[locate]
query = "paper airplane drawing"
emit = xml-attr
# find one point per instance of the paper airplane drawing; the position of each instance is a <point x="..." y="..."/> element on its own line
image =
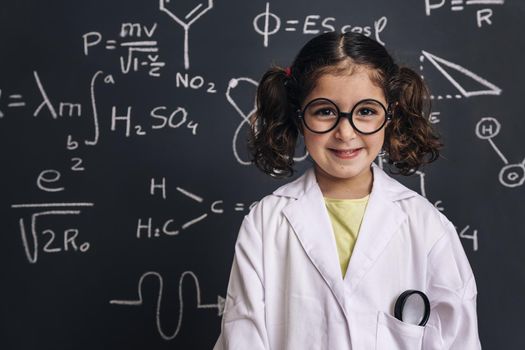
<point x="446" y="68"/>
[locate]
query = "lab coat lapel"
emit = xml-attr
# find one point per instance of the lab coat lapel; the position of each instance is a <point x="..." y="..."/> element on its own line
<point x="310" y="221"/>
<point x="381" y="221"/>
<point x="311" y="224"/>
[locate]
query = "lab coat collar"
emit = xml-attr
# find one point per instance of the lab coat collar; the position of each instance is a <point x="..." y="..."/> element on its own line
<point x="310" y="221"/>
<point x="382" y="183"/>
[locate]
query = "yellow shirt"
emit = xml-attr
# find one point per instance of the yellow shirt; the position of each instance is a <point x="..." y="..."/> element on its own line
<point x="346" y="216"/>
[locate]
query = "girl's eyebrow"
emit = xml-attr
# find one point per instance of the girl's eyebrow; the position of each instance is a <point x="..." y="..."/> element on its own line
<point x="353" y="102"/>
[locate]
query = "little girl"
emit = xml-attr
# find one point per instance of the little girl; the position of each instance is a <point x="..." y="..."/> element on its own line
<point x="324" y="261"/>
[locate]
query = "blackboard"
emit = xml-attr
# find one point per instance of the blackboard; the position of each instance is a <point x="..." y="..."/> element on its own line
<point x="125" y="175"/>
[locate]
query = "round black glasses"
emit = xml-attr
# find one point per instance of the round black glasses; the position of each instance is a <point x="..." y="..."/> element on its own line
<point x="322" y="115"/>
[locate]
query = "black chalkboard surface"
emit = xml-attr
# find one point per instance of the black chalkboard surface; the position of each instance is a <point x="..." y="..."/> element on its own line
<point x="125" y="174"/>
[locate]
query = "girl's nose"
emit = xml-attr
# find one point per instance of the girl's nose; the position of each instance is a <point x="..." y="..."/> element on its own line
<point x="344" y="130"/>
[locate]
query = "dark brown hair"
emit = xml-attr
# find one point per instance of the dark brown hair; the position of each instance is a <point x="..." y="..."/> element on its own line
<point x="410" y="140"/>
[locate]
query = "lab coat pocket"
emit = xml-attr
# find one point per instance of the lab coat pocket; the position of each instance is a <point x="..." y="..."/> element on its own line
<point x="395" y="334"/>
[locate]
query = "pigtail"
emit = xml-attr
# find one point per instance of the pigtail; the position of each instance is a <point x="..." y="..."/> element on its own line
<point x="410" y="140"/>
<point x="274" y="130"/>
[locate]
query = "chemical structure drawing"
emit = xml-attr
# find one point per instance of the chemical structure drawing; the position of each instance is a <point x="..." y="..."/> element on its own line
<point x="510" y="175"/>
<point x="219" y="305"/>
<point x="146" y="228"/>
<point x="189" y="17"/>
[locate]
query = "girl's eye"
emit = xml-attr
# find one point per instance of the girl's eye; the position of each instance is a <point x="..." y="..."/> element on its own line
<point x="366" y="112"/>
<point x="325" y="112"/>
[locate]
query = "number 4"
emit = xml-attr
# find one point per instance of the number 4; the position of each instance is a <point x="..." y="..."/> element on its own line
<point x="473" y="237"/>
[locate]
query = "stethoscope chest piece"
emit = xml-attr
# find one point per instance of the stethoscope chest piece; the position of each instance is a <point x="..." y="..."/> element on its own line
<point x="413" y="307"/>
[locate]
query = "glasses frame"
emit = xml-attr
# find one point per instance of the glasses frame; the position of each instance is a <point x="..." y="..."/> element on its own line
<point x="347" y="115"/>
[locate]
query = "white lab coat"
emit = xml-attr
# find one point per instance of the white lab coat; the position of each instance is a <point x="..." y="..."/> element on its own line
<point x="286" y="290"/>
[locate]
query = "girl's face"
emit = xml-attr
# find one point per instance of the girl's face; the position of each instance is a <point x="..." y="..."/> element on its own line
<point x="343" y="154"/>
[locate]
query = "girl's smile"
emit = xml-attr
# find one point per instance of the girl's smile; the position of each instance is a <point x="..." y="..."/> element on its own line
<point x="346" y="153"/>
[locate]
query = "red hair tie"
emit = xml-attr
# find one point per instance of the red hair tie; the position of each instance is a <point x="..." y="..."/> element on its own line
<point x="288" y="71"/>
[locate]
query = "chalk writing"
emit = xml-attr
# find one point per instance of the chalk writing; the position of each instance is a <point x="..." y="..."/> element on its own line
<point x="174" y="10"/>
<point x="138" y="53"/>
<point x="156" y="276"/>
<point x="69" y="242"/>
<point x="268" y="23"/>
<point x="483" y="16"/>
<point x="511" y="175"/>
<point x="448" y="69"/>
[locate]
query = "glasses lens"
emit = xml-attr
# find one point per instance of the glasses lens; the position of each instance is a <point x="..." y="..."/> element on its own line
<point x="320" y="115"/>
<point x="368" y="116"/>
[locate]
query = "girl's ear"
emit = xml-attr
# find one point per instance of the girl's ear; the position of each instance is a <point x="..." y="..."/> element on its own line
<point x="390" y="110"/>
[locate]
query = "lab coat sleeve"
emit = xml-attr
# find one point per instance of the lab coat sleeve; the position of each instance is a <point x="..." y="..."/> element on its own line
<point x="452" y="291"/>
<point x="243" y="323"/>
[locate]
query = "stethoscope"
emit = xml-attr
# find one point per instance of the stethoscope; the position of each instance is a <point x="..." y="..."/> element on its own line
<point x="413" y="307"/>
